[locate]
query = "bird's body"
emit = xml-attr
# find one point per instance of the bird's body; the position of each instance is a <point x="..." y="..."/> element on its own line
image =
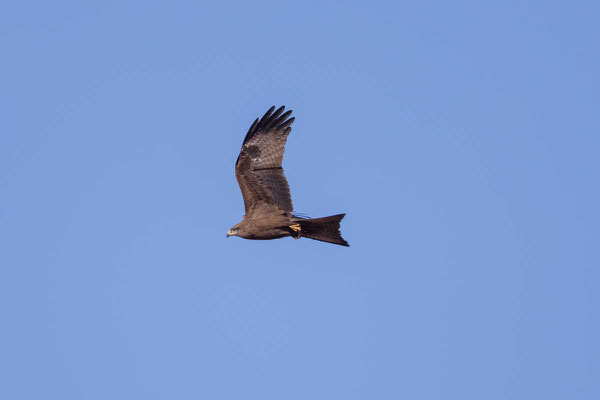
<point x="267" y="199"/>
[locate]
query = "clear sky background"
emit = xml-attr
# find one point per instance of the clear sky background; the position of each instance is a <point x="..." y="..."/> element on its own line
<point x="461" y="139"/>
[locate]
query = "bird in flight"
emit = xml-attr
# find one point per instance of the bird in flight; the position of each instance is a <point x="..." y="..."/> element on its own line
<point x="267" y="200"/>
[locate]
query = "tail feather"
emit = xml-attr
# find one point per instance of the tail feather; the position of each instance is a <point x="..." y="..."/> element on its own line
<point x="326" y="229"/>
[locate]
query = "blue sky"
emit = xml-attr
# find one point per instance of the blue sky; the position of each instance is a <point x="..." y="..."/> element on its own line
<point x="461" y="139"/>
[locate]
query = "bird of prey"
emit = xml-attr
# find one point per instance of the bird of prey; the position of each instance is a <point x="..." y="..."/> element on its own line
<point x="267" y="200"/>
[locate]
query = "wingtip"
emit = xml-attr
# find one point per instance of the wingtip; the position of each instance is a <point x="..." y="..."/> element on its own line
<point x="271" y="119"/>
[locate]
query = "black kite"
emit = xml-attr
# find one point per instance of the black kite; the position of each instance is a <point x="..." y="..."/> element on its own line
<point x="269" y="210"/>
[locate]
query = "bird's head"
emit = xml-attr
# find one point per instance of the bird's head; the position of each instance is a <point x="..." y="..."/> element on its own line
<point x="233" y="231"/>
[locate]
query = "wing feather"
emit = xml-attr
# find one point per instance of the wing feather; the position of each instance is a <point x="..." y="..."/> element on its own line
<point x="258" y="168"/>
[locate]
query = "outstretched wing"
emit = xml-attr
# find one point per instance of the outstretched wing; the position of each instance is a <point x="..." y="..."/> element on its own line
<point x="258" y="167"/>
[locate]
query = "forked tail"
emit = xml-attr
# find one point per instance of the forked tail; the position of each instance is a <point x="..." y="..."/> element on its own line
<point x="326" y="229"/>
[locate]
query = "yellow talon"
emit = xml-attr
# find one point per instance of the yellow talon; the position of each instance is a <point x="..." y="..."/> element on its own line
<point x="296" y="227"/>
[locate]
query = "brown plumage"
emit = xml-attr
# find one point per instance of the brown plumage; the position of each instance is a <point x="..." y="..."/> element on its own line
<point x="267" y="200"/>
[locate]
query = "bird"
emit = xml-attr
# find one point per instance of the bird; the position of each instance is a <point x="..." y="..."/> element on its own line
<point x="269" y="213"/>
